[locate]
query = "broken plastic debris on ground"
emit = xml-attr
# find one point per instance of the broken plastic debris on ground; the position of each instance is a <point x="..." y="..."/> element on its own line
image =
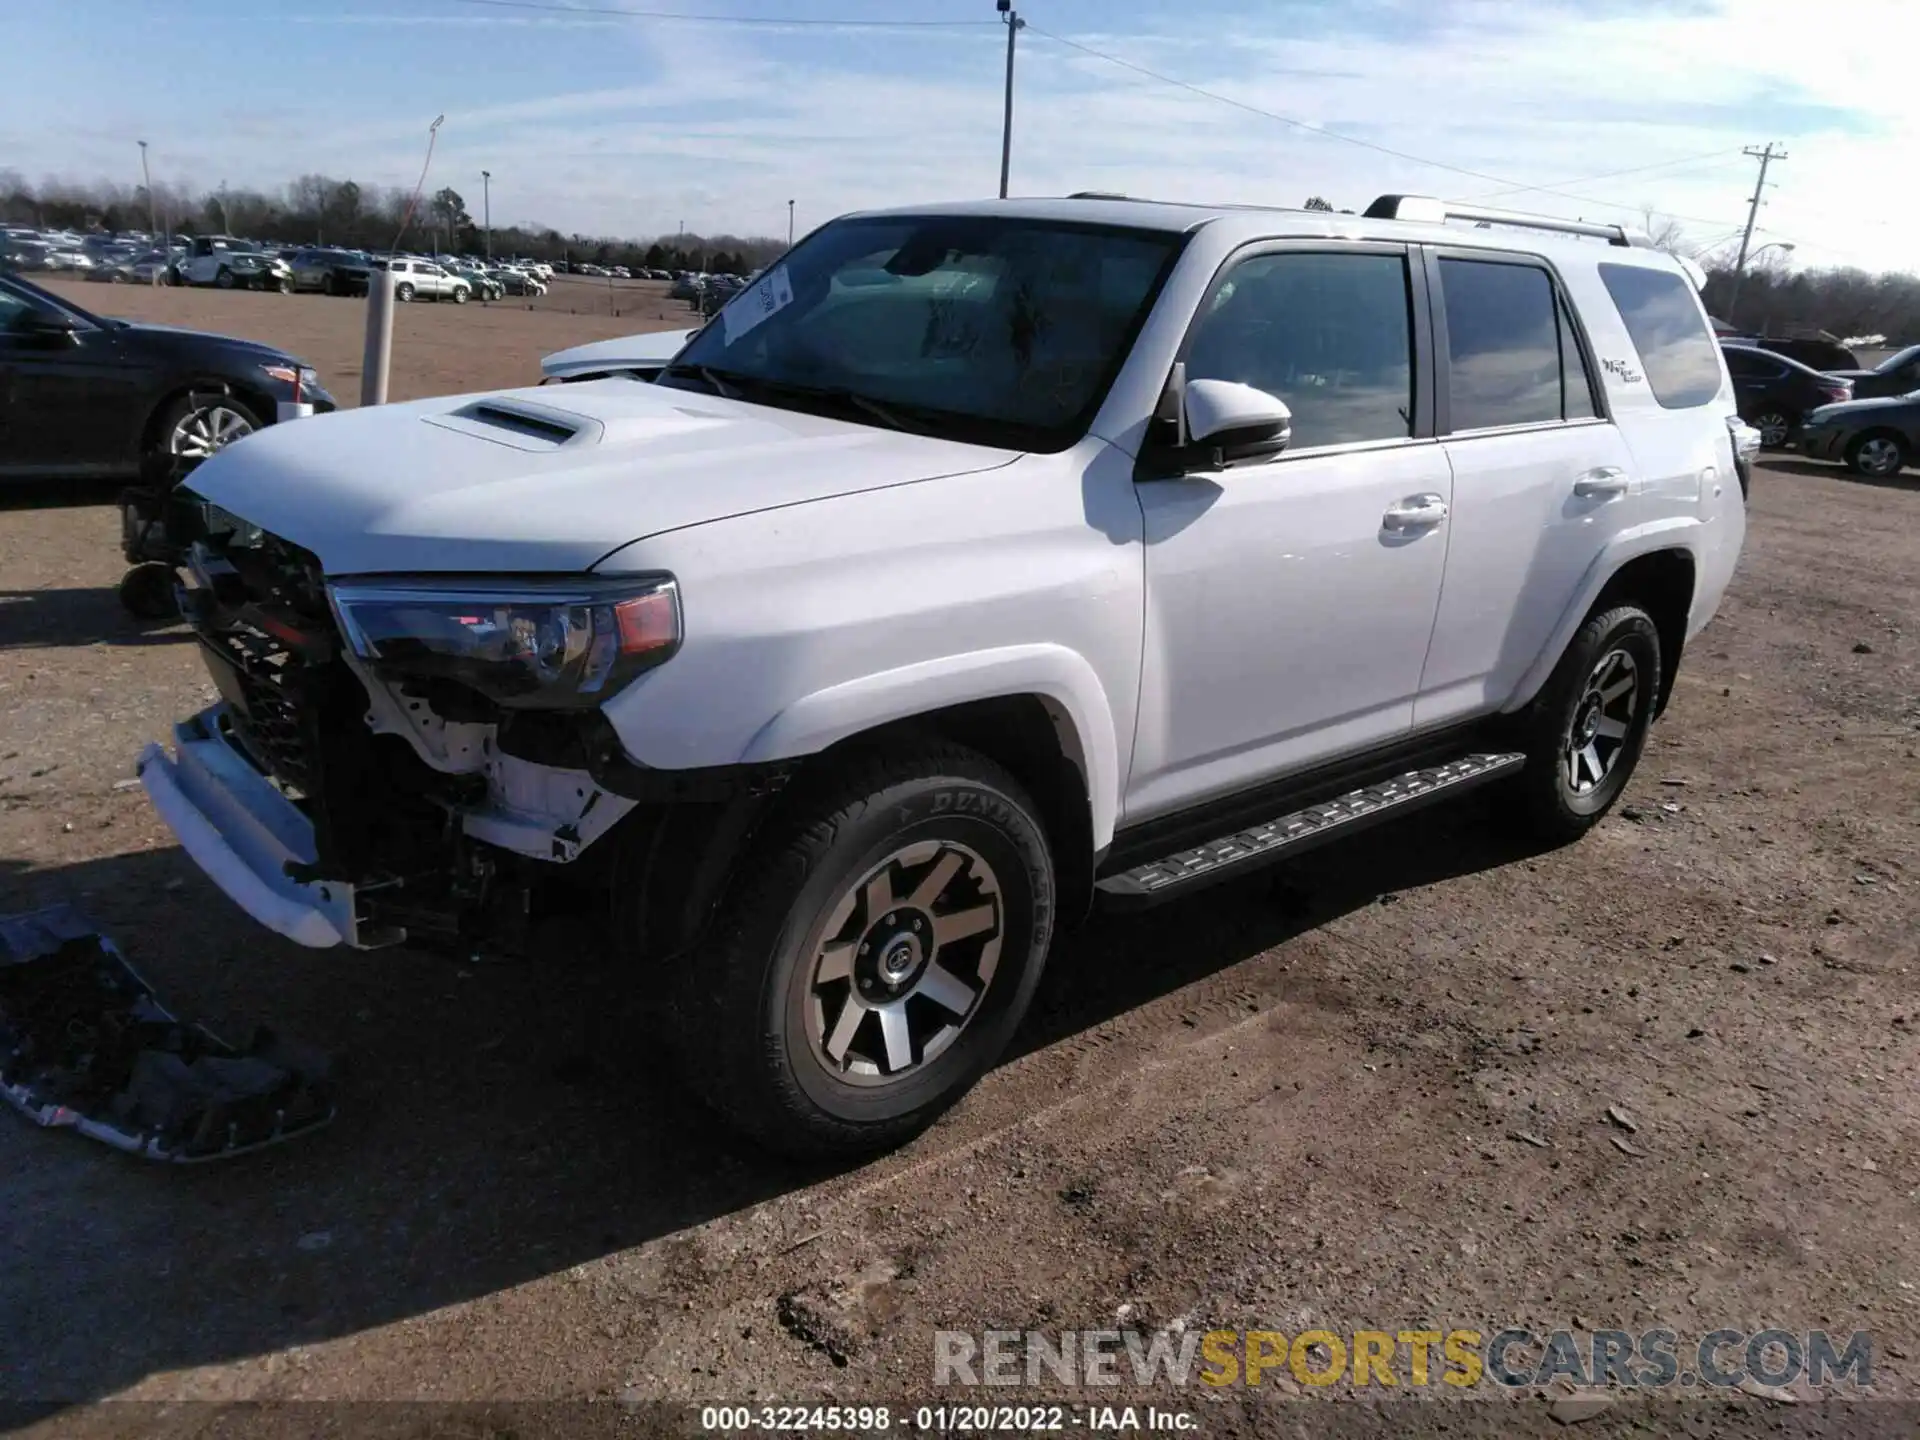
<point x="85" y="1045"/>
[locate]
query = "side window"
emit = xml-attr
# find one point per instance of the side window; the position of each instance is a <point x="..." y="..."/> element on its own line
<point x="1576" y="381"/>
<point x="1663" y="318"/>
<point x="13" y="310"/>
<point x="1503" y="344"/>
<point x="1744" y="366"/>
<point x="1328" y="333"/>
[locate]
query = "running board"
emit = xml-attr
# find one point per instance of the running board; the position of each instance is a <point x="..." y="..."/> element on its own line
<point x="1302" y="830"/>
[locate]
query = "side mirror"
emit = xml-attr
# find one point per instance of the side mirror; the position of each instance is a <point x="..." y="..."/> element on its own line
<point x="1234" y="421"/>
<point x="49" y="323"/>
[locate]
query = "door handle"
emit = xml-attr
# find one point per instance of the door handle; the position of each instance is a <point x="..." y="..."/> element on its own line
<point x="1416" y="512"/>
<point x="1601" y="484"/>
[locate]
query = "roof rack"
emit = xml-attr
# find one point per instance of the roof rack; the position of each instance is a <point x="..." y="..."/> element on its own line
<point x="1429" y="210"/>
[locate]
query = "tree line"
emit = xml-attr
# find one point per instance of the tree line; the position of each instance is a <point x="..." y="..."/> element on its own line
<point x="321" y="210"/>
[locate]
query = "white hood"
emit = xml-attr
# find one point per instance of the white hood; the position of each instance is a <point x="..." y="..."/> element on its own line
<point x="548" y="479"/>
<point x="646" y="352"/>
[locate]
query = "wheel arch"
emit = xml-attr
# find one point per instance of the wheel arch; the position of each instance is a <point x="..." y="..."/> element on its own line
<point x="1656" y="569"/>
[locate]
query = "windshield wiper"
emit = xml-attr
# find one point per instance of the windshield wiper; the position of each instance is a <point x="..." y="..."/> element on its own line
<point x="722" y="382"/>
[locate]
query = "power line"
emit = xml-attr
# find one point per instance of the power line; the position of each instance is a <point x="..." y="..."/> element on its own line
<point x="1720" y="155"/>
<point x="550" y="7"/>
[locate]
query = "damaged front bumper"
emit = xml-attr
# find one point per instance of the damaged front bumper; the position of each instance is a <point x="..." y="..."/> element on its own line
<point x="241" y="830"/>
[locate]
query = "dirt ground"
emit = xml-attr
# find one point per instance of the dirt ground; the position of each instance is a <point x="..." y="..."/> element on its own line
<point x="1367" y="1092"/>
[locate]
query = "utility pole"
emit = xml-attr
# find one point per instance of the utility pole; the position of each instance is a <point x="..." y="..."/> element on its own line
<point x="1766" y="157"/>
<point x="486" y="208"/>
<point x="789" y="224"/>
<point x="153" y="223"/>
<point x="1013" y="23"/>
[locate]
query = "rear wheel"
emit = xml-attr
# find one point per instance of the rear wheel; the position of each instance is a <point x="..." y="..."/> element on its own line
<point x="1877" y="455"/>
<point x="878" y="949"/>
<point x="224" y="279"/>
<point x="1584" y="732"/>
<point x="403" y="292"/>
<point x="327" y="286"/>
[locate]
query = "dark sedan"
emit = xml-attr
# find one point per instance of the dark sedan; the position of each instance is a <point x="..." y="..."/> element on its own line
<point x="331" y="272"/>
<point x="1876" y="437"/>
<point x="1773" y="393"/>
<point x="85" y="397"/>
<point x="1898" y="374"/>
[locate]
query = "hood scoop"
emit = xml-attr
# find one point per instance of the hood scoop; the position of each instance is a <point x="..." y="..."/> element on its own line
<point x="520" y="425"/>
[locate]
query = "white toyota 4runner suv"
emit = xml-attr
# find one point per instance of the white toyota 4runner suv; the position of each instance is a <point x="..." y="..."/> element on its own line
<point x="975" y="564"/>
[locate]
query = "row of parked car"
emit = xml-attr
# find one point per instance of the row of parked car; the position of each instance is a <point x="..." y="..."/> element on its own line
<point x="1816" y="396"/>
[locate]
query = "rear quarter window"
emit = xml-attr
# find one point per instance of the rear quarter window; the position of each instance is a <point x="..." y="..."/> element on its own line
<point x="1668" y="331"/>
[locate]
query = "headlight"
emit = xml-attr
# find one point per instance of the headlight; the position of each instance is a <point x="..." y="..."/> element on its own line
<point x="308" y="377"/>
<point x="533" y="645"/>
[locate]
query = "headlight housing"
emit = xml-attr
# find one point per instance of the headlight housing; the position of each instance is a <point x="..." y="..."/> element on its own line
<point x="562" y="644"/>
<point x="307" y="377"/>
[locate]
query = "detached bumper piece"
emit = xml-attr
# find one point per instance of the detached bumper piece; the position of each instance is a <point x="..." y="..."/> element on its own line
<point x="244" y="832"/>
<point x="85" y="1045"/>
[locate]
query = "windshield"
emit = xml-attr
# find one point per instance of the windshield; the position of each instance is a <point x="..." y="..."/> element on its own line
<point x="975" y="327"/>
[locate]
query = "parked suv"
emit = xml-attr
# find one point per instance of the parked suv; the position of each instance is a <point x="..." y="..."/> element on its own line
<point x="974" y="564"/>
<point x="425" y="280"/>
<point x="1775" y="393"/>
<point x="331" y="272"/>
<point x="229" y="264"/>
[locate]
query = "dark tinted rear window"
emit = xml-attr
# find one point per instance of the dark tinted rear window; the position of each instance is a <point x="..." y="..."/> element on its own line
<point x="1663" y="317"/>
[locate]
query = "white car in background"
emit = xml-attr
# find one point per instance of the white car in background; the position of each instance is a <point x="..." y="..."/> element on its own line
<point x="633" y="357"/>
<point x="416" y="279"/>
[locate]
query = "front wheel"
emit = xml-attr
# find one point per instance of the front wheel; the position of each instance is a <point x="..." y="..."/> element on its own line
<point x="1584" y="733"/>
<point x="460" y="296"/>
<point x="403" y="292"/>
<point x="1775" y="427"/>
<point x="224" y="280"/>
<point x="878" y="949"/>
<point x="1877" y="456"/>
<point x="195" y="427"/>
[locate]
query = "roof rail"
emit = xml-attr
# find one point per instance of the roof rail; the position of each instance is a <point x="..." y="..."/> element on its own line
<point x="1427" y="209"/>
<point x="1098" y="195"/>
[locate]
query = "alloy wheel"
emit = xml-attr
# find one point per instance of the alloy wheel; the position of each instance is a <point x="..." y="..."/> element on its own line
<point x="201" y="432"/>
<point x="1774" y="429"/>
<point x="1602" y="722"/>
<point x="1879" y="456"/>
<point x="903" y="962"/>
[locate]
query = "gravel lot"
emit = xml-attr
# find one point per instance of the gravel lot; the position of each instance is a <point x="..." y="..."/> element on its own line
<point x="1293" y="1102"/>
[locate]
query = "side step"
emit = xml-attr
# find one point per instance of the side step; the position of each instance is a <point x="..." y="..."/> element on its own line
<point x="1302" y="830"/>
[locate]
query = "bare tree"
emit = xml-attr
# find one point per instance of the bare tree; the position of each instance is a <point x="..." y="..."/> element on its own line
<point x="1666" y="232"/>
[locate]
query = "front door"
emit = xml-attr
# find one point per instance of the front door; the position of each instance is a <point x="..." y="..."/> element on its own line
<point x="66" y="400"/>
<point x="1290" y="602"/>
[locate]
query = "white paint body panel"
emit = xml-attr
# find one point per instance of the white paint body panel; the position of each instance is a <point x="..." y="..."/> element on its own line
<point x="629" y="352"/>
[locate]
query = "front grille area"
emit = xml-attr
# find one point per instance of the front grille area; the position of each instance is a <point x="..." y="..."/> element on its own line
<point x="262" y="681"/>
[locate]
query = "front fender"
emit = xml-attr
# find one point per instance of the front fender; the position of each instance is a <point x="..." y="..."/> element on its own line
<point x="1053" y="672"/>
<point x="1679" y="532"/>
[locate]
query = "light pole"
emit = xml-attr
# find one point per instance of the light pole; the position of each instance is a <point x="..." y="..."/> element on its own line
<point x="1013" y="23"/>
<point x="789" y="224"/>
<point x="146" y="176"/>
<point x="486" y="205"/>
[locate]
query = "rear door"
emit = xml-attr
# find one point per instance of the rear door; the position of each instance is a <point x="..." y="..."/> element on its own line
<point x="1541" y="476"/>
<point x="67" y="401"/>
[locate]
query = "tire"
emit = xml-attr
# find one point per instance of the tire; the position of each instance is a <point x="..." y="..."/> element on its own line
<point x="195" y="427"/>
<point x="224" y="280"/>
<point x="327" y="287"/>
<point x="761" y="1017"/>
<point x="1775" y="427"/>
<point x="1878" y="454"/>
<point x="1560" y="797"/>
<point x="403" y="292"/>
<point x="146" y="591"/>
<point x="459" y="295"/>
<point x="282" y="286"/>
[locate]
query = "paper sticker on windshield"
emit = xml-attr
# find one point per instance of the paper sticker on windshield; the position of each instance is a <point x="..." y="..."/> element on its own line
<point x="766" y="297"/>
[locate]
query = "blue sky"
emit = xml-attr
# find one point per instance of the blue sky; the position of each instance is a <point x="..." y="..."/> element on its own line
<point x="607" y="125"/>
